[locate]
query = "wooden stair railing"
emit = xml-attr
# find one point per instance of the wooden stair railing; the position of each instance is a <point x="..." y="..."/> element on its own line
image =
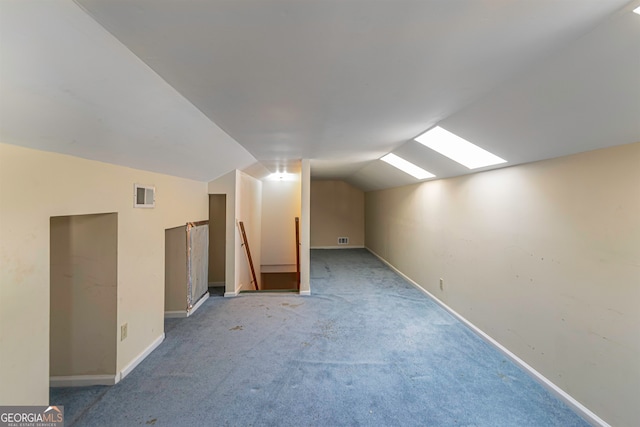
<point x="245" y="243"/>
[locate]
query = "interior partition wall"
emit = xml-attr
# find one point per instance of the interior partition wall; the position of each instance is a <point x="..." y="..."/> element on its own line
<point x="217" y="239"/>
<point x="186" y="268"/>
<point x="83" y="299"/>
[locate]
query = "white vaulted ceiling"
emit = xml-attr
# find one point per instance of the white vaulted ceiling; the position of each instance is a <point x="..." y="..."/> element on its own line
<point x="203" y="87"/>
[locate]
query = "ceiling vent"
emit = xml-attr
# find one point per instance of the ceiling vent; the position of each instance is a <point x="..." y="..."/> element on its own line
<point x="144" y="196"/>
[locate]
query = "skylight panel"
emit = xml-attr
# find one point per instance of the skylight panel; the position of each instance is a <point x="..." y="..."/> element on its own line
<point x="458" y="149"/>
<point x="406" y="166"/>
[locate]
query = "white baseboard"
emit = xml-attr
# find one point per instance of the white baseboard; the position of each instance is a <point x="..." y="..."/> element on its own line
<point x="305" y="293"/>
<point x="83" y="380"/>
<point x="140" y="357"/>
<point x="204" y="297"/>
<point x="175" y="314"/>
<point x="338" y="247"/>
<point x="180" y="314"/>
<point x="230" y="294"/>
<point x="577" y="407"/>
<point x="88" y="380"/>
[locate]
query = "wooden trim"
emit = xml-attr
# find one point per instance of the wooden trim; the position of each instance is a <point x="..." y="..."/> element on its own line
<point x="248" y="252"/>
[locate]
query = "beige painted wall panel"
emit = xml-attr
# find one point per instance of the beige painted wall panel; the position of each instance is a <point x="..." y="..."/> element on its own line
<point x="175" y="269"/>
<point x="248" y="210"/>
<point x="305" y="228"/>
<point x="337" y="210"/>
<point x="280" y="207"/>
<point x="217" y="237"/>
<point x="544" y="257"/>
<point x="84" y="277"/>
<point x="226" y="185"/>
<point x="35" y="185"/>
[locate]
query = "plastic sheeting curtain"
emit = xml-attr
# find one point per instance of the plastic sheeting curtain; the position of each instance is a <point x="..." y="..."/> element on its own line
<point x="197" y="261"/>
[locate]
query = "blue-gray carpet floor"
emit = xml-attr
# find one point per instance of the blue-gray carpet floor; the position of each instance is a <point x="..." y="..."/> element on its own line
<point x="365" y="349"/>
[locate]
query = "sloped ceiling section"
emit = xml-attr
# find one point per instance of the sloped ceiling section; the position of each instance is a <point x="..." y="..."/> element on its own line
<point x="67" y="85"/>
<point x="199" y="87"/>
<point x="345" y="82"/>
<point x="582" y="97"/>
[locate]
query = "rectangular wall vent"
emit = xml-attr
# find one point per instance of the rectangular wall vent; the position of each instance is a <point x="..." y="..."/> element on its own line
<point x="144" y="196"/>
<point x="343" y="240"/>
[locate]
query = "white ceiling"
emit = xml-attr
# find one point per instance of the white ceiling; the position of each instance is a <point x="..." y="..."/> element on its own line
<point x="197" y="88"/>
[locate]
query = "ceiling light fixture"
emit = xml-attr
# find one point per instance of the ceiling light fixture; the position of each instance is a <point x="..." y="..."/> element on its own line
<point x="637" y="10"/>
<point x="458" y="149"/>
<point x="282" y="176"/>
<point x="406" y="167"/>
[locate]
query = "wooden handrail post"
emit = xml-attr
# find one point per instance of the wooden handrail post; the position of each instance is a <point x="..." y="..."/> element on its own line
<point x="248" y="252"/>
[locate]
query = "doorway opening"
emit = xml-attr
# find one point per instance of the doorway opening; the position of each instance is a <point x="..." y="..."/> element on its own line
<point x="217" y="243"/>
<point x="83" y="329"/>
<point x="281" y="278"/>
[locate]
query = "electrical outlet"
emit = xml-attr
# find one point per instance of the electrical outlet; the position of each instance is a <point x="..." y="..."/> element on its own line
<point x="441" y="284"/>
<point x="123" y="331"/>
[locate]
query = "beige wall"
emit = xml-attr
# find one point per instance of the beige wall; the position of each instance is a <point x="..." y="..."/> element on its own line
<point x="305" y="228"/>
<point x="244" y="195"/>
<point x="245" y="203"/>
<point x="217" y="237"/>
<point x="84" y="307"/>
<point x="36" y="185"/>
<point x="337" y="210"/>
<point x="226" y="185"/>
<point x="175" y="269"/>
<point x="249" y="211"/>
<point x="280" y="207"/>
<point x="543" y="257"/>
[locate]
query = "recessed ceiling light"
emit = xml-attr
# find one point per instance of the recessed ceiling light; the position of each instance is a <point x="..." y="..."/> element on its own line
<point x="458" y="149"/>
<point x="637" y="10"/>
<point x="282" y="176"/>
<point x="407" y="167"/>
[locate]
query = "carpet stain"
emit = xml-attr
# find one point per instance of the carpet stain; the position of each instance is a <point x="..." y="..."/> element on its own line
<point x="237" y="328"/>
<point x="284" y="304"/>
<point x="504" y="377"/>
<point x="327" y="330"/>
<point x="152" y="421"/>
